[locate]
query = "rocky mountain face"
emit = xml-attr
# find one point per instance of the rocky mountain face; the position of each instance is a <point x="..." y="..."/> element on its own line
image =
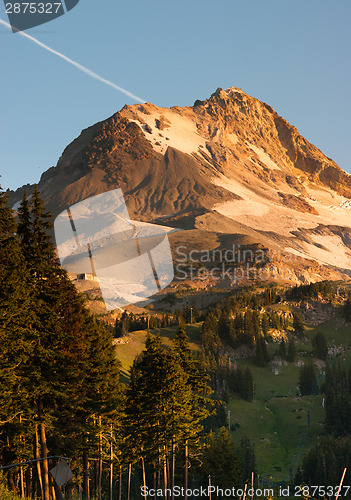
<point x="230" y="173"/>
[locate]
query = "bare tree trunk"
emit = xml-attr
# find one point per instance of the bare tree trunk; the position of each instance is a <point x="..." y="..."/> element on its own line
<point x="120" y="483"/>
<point x="155" y="479"/>
<point x="186" y="459"/>
<point x="143" y="471"/>
<point x="111" y="468"/>
<point x="21" y="483"/>
<point x="99" y="476"/>
<point x="129" y="479"/>
<point x="165" y="477"/>
<point x="44" y="453"/>
<point x="45" y="465"/>
<point x="37" y="455"/>
<point x="86" y="488"/>
<point x="173" y="469"/>
<point x="52" y="487"/>
<point x="100" y="464"/>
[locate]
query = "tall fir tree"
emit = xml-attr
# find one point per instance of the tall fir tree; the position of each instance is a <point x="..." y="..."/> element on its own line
<point x="15" y="318"/>
<point x="307" y="380"/>
<point x="221" y="461"/>
<point x="298" y="325"/>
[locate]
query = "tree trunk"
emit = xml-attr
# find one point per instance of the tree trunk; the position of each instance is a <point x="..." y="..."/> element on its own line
<point x="111" y="482"/>
<point x="45" y="465"/>
<point x="11" y="482"/>
<point x="186" y="456"/>
<point x="21" y="482"/>
<point x="52" y="487"/>
<point x="143" y="471"/>
<point x="29" y="482"/>
<point x="44" y="453"/>
<point x="165" y="477"/>
<point x="37" y="455"/>
<point x="173" y="469"/>
<point x="111" y="467"/>
<point x="155" y="479"/>
<point x="120" y="483"/>
<point x="100" y="464"/>
<point x="129" y="479"/>
<point x="86" y="488"/>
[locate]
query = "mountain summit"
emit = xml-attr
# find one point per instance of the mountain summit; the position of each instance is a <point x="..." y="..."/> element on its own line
<point x="227" y="170"/>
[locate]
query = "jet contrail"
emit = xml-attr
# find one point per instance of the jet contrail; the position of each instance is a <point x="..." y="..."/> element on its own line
<point x="77" y="65"/>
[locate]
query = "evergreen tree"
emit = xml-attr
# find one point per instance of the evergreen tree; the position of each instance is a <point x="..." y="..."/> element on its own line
<point x="221" y="460"/>
<point x="249" y="329"/>
<point x="247" y="392"/>
<point x="324" y="462"/>
<point x="122" y="325"/>
<point x="307" y="380"/>
<point x="225" y="329"/>
<point x="248" y="458"/>
<point x="265" y="324"/>
<point x="292" y="353"/>
<point x="320" y="346"/>
<point x="347" y="310"/>
<point x="160" y="411"/>
<point x="337" y="401"/>
<point x="24" y="226"/>
<point x="210" y="339"/>
<point x="261" y="354"/>
<point x="15" y="316"/>
<point x="282" y="350"/>
<point x="298" y="325"/>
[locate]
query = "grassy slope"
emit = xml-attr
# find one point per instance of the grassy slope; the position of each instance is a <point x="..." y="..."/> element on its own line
<point x="276" y="421"/>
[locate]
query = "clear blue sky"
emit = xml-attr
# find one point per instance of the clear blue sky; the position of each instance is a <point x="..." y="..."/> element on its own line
<point x="294" y="55"/>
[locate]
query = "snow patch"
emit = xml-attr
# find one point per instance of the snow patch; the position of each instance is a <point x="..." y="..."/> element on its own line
<point x="344" y="205"/>
<point x="334" y="253"/>
<point x="264" y="157"/>
<point x="181" y="132"/>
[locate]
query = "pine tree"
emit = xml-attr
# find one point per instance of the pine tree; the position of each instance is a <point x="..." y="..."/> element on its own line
<point x="261" y="354"/>
<point x="248" y="458"/>
<point x="298" y="325"/>
<point x="193" y="367"/>
<point x="164" y="406"/>
<point x="221" y="460"/>
<point x="24" y="226"/>
<point x="247" y="388"/>
<point x="249" y="330"/>
<point x="282" y="350"/>
<point x="15" y="316"/>
<point x="292" y="353"/>
<point x="265" y="324"/>
<point x="320" y="346"/>
<point x="347" y="310"/>
<point x="307" y="380"/>
<point x="225" y="329"/>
